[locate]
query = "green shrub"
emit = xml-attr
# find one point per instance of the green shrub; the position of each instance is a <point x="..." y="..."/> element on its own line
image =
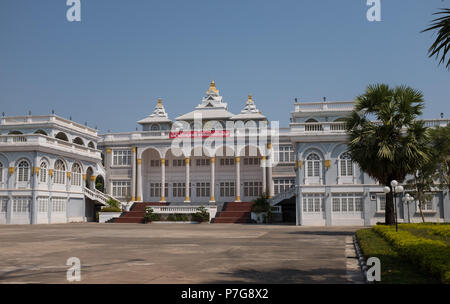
<point x="171" y="218"/>
<point x="432" y="256"/>
<point x="202" y="215"/>
<point x="113" y="203"/>
<point x="261" y="205"/>
<point x="150" y="216"/>
<point x="111" y="209"/>
<point x="181" y="218"/>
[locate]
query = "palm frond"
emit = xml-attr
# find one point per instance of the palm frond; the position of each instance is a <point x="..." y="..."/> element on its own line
<point x="441" y="45"/>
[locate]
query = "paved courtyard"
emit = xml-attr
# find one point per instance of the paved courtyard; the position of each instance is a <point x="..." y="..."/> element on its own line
<point x="175" y="253"/>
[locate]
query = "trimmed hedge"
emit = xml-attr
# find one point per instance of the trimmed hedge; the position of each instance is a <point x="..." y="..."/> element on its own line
<point x="111" y="209"/>
<point x="433" y="256"/>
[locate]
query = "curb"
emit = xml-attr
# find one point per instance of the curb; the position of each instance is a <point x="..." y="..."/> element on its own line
<point x="361" y="260"/>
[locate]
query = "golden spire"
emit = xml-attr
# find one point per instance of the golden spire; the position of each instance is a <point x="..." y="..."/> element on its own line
<point x="159" y="103"/>
<point x="212" y="87"/>
<point x="250" y="100"/>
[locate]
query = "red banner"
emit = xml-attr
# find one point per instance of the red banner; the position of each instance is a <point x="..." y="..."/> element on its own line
<point x="202" y="134"/>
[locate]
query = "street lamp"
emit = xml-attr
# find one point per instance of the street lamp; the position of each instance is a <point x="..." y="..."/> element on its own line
<point x="408" y="199"/>
<point x="396" y="189"/>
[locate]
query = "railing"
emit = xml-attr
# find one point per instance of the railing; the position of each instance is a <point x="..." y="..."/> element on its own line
<point x="314" y="127"/>
<point x="95" y="196"/>
<point x="324" y="106"/>
<point x="282" y="196"/>
<point x="46" y="141"/>
<point x="40" y="119"/>
<point x="212" y="210"/>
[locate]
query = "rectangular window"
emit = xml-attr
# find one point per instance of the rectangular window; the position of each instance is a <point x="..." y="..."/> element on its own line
<point x="227" y="189"/>
<point x="75" y="179"/>
<point x="155" y="190"/>
<point x="21" y="204"/>
<point x="286" y="154"/>
<point x="252" y="161"/>
<point x="202" y="162"/>
<point x="253" y="188"/>
<point x="43" y="204"/>
<point x="43" y="175"/>
<point x="155" y="163"/>
<point x="59" y="204"/>
<point x="3" y="204"/>
<point x="179" y="189"/>
<point x="179" y="163"/>
<point x="381" y="203"/>
<point x="229" y="161"/>
<point x="313" y="203"/>
<point x="121" y="189"/>
<point x="122" y="157"/>
<point x="347" y="203"/>
<point x="202" y="189"/>
<point x="283" y="185"/>
<point x="59" y="177"/>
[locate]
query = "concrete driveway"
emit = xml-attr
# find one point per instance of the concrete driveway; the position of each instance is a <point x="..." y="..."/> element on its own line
<point x="176" y="253"/>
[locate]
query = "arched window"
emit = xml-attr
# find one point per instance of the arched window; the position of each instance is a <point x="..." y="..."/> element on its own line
<point x="42" y="132"/>
<point x="313" y="165"/>
<point x="60" y="172"/>
<point x="15" y="133"/>
<point x="346" y="164"/>
<point x="1" y="172"/>
<point x="78" y="141"/>
<point x="76" y="175"/>
<point x="313" y="125"/>
<point x="62" y="136"/>
<point x="43" y="172"/>
<point x="91" y="145"/>
<point x="23" y="171"/>
<point x="154" y="127"/>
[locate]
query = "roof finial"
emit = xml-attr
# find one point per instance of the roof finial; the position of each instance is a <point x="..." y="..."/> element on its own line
<point x="212" y="87"/>
<point x="159" y="102"/>
<point x="250" y="100"/>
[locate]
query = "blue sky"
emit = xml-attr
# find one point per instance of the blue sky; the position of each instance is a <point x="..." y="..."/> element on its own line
<point x="110" y="68"/>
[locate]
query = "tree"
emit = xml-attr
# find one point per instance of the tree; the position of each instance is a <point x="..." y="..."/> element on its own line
<point x="393" y="145"/>
<point x="436" y="172"/>
<point x="440" y="141"/>
<point x="442" y="43"/>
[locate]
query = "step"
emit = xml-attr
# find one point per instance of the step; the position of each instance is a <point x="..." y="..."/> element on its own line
<point x="234" y="214"/>
<point x="133" y="214"/>
<point x="230" y="221"/>
<point x="129" y="220"/>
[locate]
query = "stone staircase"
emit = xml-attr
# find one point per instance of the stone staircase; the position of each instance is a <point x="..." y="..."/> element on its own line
<point x="235" y="213"/>
<point x="136" y="213"/>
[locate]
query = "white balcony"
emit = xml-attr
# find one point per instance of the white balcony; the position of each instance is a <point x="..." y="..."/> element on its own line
<point x="25" y="142"/>
<point x="21" y="121"/>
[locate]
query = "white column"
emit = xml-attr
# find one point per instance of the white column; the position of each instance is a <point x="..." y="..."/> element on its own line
<point x="238" y="179"/>
<point x="163" y="179"/>
<point x="187" y="198"/>
<point x="133" y="174"/>
<point x="269" y="175"/>
<point x="264" y="175"/>
<point x="213" y="178"/>
<point x="139" y="180"/>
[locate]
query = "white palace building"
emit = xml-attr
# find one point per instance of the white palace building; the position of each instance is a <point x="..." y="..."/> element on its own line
<point x="49" y="166"/>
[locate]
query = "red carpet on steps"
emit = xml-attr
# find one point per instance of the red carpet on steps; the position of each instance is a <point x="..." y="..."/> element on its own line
<point x="136" y="213"/>
<point x="235" y="213"/>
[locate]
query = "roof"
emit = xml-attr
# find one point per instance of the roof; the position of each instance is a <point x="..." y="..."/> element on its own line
<point x="159" y="115"/>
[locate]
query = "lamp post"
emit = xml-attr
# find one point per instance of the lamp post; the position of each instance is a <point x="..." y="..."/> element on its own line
<point x="396" y="189"/>
<point x="408" y="199"/>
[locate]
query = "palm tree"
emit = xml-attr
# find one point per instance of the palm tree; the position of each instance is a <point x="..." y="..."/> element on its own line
<point x="395" y="143"/>
<point x="442" y="42"/>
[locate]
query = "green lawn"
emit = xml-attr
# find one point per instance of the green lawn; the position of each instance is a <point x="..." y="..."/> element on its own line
<point x="394" y="269"/>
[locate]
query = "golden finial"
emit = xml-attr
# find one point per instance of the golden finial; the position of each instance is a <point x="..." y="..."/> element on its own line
<point x="212" y="87"/>
<point x="159" y="103"/>
<point x="250" y="100"/>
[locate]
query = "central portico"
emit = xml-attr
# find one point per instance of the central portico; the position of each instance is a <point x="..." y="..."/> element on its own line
<point x="170" y="161"/>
